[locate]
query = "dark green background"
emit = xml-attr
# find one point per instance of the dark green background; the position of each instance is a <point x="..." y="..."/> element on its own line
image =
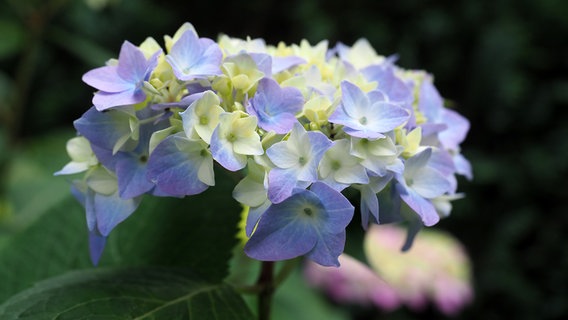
<point x="503" y="64"/>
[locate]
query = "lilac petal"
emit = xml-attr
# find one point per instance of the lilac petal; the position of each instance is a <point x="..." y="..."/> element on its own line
<point x="414" y="163"/>
<point x="458" y="126"/>
<point x="263" y="63"/>
<point x="442" y="161"/>
<point x="319" y="144"/>
<point x="223" y="153"/>
<point x="281" y="156"/>
<point x="280" y="64"/>
<point x="430" y="101"/>
<point x="389" y="83"/>
<point x="254" y="215"/>
<point x="369" y="206"/>
<point x="132" y="65"/>
<point x="103" y="129"/>
<point x="104" y="100"/>
<point x="281" y="235"/>
<point x="430" y="183"/>
<point x="353" y="99"/>
<point x="174" y="166"/>
<point x="280" y="184"/>
<point x="424" y="208"/>
<point x="96" y="246"/>
<point x="131" y="174"/>
<point x="414" y="226"/>
<point x="327" y="249"/>
<point x="386" y="116"/>
<point x="463" y="166"/>
<point x="112" y="210"/>
<point x="107" y="79"/>
<point x="192" y="58"/>
<point x="339" y="209"/>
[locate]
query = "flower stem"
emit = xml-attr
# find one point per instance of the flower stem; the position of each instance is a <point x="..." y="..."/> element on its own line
<point x="266" y="284"/>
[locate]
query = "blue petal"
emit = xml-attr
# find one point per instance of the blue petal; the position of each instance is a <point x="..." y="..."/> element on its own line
<point x="281" y="233"/>
<point x="174" y="166"/>
<point x="327" y="249"/>
<point x="112" y="210"/>
<point x="339" y="211"/>
<point x="104" y="100"/>
<point x="107" y="79"/>
<point x="223" y="153"/>
<point x="103" y="129"/>
<point x="131" y="174"/>
<point x="96" y="247"/>
<point x="281" y="183"/>
<point x="424" y="208"/>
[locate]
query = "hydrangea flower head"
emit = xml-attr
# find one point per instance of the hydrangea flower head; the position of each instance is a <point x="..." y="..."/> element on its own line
<point x="297" y="124"/>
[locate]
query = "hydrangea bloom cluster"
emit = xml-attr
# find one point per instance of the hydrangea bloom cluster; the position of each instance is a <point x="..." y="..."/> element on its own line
<point x="299" y="123"/>
<point x="436" y="269"/>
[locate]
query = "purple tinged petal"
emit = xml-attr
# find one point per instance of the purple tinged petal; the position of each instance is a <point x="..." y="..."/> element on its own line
<point x="353" y="99"/>
<point x="416" y="162"/>
<point x="174" y="166"/>
<point x="254" y="215"/>
<point x="424" y="208"/>
<point x="339" y="210"/>
<point x="281" y="156"/>
<point x="96" y="246"/>
<point x="281" y="183"/>
<point x="458" y="126"/>
<point x="104" y="100"/>
<point x="103" y="129"/>
<point x="430" y="101"/>
<point x="275" y="107"/>
<point x="327" y="249"/>
<point x="369" y="205"/>
<point x="192" y="58"/>
<point x="387" y="116"/>
<point x="131" y="173"/>
<point x="222" y="152"/>
<point x="132" y="64"/>
<point x="112" y="210"/>
<point x="281" y="234"/>
<point x="107" y="79"/>
<point x="319" y="144"/>
<point x="463" y="166"/>
<point x="430" y="183"/>
<point x="280" y="64"/>
<point x="263" y="62"/>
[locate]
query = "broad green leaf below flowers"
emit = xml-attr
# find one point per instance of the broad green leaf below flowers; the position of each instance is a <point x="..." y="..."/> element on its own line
<point x="134" y="293"/>
<point x="46" y="236"/>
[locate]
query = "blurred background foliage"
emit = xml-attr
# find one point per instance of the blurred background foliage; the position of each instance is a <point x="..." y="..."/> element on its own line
<point x="502" y="63"/>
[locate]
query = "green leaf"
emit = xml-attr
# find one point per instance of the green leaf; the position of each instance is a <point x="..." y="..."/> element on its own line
<point x="136" y="293"/>
<point x="198" y="232"/>
<point x="47" y="235"/>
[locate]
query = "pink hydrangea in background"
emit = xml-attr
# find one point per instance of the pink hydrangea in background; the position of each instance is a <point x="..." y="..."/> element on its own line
<point x="435" y="269"/>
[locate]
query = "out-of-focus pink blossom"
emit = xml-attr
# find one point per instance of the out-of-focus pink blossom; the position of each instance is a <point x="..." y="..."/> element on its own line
<point x="435" y="269"/>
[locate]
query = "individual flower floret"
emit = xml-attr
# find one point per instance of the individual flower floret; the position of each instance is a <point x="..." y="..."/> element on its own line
<point x="180" y="166"/>
<point x="81" y="154"/>
<point x="309" y="222"/>
<point x="419" y="183"/>
<point x="275" y="107"/>
<point x="296" y="161"/>
<point x="122" y="84"/>
<point x="234" y="138"/>
<point x="339" y="169"/>
<point x="194" y="58"/>
<point x="105" y="209"/>
<point x="366" y="116"/>
<point x="202" y="116"/>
